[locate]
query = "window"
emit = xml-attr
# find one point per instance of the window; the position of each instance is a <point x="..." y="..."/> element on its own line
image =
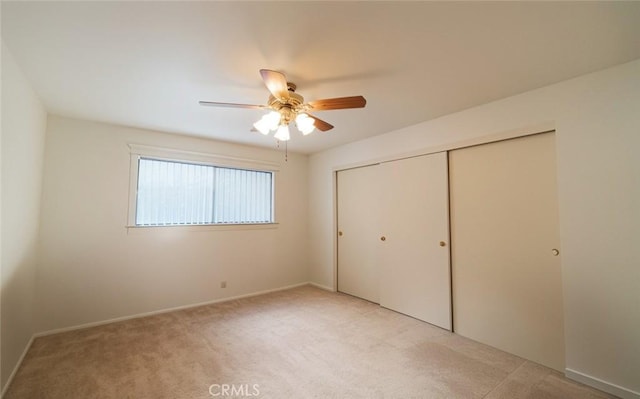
<point x="171" y="192"/>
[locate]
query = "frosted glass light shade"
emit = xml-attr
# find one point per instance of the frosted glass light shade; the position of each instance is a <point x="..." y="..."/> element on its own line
<point x="306" y="128"/>
<point x="283" y="133"/>
<point x="262" y="126"/>
<point x="273" y="119"/>
<point x="268" y="122"/>
<point x="305" y="124"/>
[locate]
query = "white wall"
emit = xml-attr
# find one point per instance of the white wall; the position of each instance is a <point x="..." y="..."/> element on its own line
<point x="597" y="119"/>
<point x="23" y="137"/>
<point x="92" y="269"/>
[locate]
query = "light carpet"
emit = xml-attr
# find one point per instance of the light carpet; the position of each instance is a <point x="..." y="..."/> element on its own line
<point x="298" y="343"/>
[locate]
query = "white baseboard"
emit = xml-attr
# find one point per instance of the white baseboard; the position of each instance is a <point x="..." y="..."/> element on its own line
<point x="139" y="315"/>
<point x="604" y="386"/>
<point x="166" y="310"/>
<point x="322" y="287"/>
<point x="15" y="369"/>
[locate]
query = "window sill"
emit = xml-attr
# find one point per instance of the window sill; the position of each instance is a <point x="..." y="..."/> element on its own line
<point x="203" y="227"/>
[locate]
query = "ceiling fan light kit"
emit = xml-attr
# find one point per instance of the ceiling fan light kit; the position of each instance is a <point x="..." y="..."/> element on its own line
<point x="288" y="106"/>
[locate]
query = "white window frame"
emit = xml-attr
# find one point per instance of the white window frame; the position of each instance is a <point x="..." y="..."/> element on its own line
<point x="138" y="151"/>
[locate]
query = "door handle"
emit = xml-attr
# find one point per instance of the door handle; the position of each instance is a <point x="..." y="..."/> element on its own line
<point x="383" y="238"/>
<point x="555" y="252"/>
<point x="340" y="233"/>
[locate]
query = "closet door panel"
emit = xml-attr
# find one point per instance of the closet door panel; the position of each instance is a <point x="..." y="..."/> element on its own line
<point x="414" y="256"/>
<point x="507" y="284"/>
<point x="358" y="193"/>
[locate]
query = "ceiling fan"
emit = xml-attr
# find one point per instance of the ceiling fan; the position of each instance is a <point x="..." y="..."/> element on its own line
<point x="287" y="106"/>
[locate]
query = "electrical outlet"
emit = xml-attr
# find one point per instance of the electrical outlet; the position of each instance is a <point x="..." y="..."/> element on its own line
<point x="223" y="284"/>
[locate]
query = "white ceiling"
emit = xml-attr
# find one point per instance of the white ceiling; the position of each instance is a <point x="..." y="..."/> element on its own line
<point x="147" y="64"/>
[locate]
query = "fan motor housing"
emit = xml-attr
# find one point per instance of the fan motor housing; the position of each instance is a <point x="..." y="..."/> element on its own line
<point x="289" y="108"/>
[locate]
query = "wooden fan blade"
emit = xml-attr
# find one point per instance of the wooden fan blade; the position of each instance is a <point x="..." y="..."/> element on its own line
<point x="232" y="105"/>
<point x="276" y="82"/>
<point x="320" y="124"/>
<point x="338" y="103"/>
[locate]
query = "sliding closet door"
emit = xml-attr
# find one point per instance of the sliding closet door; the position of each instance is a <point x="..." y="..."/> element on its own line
<point x="414" y="256"/>
<point x="358" y="228"/>
<point x="507" y="287"/>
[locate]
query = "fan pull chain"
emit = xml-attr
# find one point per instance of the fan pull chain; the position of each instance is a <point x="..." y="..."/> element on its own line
<point x="286" y="150"/>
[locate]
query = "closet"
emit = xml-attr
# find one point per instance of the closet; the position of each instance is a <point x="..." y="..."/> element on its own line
<point x="498" y="281"/>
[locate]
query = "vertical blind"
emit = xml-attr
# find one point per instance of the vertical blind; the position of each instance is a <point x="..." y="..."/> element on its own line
<point x="180" y="193"/>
